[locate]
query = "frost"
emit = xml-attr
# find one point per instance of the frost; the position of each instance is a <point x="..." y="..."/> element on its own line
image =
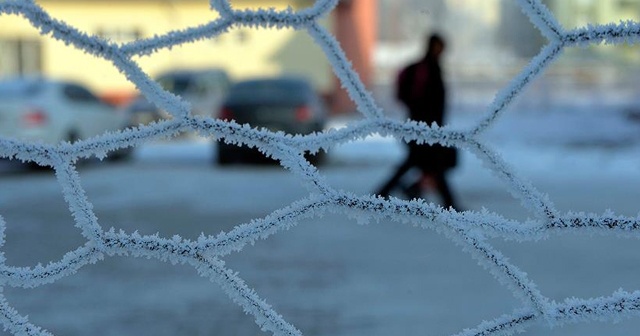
<point x="470" y="230"/>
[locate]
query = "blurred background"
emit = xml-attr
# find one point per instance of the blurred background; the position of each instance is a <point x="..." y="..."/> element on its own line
<point x="489" y="41"/>
<point x="574" y="133"/>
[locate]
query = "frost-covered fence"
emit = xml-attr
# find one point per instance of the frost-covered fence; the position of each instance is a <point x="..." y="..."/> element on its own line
<point x="469" y="229"/>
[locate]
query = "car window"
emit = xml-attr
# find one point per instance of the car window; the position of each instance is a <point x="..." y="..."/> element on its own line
<point x="19" y="88"/>
<point x="217" y="81"/>
<point x="176" y="84"/>
<point x="283" y="90"/>
<point x="200" y="88"/>
<point x="195" y="83"/>
<point x="79" y="94"/>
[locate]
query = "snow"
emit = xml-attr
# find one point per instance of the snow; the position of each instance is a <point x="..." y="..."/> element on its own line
<point x="329" y="275"/>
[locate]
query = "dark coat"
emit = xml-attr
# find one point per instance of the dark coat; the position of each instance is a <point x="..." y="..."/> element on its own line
<point x="421" y="89"/>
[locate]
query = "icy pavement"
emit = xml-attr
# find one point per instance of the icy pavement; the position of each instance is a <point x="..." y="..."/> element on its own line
<point x="330" y="275"/>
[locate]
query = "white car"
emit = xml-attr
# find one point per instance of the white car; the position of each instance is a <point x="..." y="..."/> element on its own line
<point x="51" y="111"/>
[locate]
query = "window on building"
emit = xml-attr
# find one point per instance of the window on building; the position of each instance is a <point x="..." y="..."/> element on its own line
<point x="120" y="35"/>
<point x="242" y="36"/>
<point x="237" y="36"/>
<point x="628" y="4"/>
<point x="20" y="57"/>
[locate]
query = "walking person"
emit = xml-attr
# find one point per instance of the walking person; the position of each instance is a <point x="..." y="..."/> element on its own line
<point x="420" y="87"/>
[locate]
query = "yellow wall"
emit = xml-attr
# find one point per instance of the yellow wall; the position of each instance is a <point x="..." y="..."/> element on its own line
<point x="242" y="52"/>
<point x="578" y="13"/>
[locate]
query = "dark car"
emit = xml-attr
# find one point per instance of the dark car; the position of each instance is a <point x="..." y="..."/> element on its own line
<point x="288" y="104"/>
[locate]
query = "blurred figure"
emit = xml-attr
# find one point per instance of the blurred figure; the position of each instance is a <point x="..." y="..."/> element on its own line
<point x="421" y="89"/>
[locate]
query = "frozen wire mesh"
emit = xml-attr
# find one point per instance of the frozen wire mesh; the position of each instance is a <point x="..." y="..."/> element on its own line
<point x="470" y="229"/>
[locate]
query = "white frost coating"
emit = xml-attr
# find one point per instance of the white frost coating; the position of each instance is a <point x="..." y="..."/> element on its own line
<point x="342" y="68"/>
<point x="469" y="229"/>
<point x="505" y="96"/>
<point x="16" y="323"/>
<point x="154" y="44"/>
<point x="222" y="6"/>
<point x="11" y="320"/>
<point x="505" y="272"/>
<point x="542" y="18"/>
<point x="246" y="297"/>
<point x="531" y="198"/>
<point x="614" y="308"/>
<point x="3" y="227"/>
<point x="624" y="32"/>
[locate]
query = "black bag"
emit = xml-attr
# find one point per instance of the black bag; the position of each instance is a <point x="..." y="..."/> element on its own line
<point x="448" y="157"/>
<point x="433" y="158"/>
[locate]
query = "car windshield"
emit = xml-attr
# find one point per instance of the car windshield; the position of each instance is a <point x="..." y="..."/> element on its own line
<point x="269" y="90"/>
<point x="19" y="88"/>
<point x="177" y="84"/>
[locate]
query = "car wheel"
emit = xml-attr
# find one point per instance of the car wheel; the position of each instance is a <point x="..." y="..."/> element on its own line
<point x="73" y="136"/>
<point x="316" y="159"/>
<point x="119" y="155"/>
<point x="223" y="156"/>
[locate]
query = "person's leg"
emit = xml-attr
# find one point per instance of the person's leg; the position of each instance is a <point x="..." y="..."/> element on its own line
<point x="392" y="182"/>
<point x="444" y="190"/>
<point x="413" y="189"/>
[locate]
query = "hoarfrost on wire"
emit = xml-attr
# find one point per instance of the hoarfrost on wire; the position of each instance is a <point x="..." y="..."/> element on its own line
<point x="471" y="230"/>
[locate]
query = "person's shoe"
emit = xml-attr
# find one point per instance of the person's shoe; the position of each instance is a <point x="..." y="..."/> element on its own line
<point x="413" y="191"/>
<point x="454" y="207"/>
<point x="382" y="193"/>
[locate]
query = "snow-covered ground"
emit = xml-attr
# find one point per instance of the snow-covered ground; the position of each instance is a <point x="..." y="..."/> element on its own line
<point x="330" y="275"/>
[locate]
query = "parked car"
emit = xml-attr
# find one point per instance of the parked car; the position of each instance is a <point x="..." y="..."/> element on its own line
<point x="142" y="112"/>
<point x="288" y="104"/>
<point x="52" y="111"/>
<point x="204" y="89"/>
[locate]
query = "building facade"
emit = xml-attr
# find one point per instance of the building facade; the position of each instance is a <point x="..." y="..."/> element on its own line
<point x="571" y="14"/>
<point x="242" y="52"/>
